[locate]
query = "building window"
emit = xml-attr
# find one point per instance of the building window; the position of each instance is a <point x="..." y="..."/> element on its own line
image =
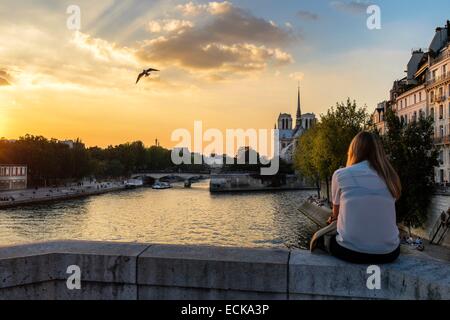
<point x="441" y="112"/>
<point x="432" y="113"/>
<point x="441" y="134"/>
<point x="420" y="96"/>
<point x="441" y="157"/>
<point x="432" y="96"/>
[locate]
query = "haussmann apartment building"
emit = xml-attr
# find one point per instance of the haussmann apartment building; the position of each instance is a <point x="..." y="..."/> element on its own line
<point x="425" y="91"/>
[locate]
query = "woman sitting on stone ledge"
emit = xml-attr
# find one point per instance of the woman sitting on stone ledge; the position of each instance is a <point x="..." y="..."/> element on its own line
<point x="363" y="196"/>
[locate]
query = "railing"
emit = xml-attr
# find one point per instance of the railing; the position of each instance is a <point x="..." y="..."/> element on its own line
<point x="441" y="98"/>
<point x="439" y="78"/>
<point x="440" y="58"/>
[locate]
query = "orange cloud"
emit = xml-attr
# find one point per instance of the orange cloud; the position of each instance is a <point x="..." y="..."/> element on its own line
<point x="169" y="25"/>
<point x="214" y="8"/>
<point x="230" y="39"/>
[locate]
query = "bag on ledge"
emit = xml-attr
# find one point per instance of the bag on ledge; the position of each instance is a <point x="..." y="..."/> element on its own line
<point x="322" y="237"/>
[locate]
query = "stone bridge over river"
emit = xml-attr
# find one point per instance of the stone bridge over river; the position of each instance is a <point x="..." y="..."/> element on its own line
<point x="182" y="176"/>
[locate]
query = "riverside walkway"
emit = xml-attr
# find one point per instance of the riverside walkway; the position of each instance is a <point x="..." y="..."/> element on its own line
<point x="15" y="198"/>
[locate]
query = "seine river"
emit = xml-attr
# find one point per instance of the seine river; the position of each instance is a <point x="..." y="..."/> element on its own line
<point x="175" y="216"/>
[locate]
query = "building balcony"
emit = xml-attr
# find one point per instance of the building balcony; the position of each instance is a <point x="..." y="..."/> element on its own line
<point x="440" y="99"/>
<point x="440" y="58"/>
<point x="440" y="78"/>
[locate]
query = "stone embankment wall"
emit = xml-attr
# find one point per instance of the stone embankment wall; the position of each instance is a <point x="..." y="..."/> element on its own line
<point x="144" y="271"/>
<point x="253" y="182"/>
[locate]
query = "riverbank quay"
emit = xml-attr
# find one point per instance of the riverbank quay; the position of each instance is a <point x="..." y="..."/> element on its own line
<point x="10" y="199"/>
<point x="250" y="182"/>
<point x="140" y="271"/>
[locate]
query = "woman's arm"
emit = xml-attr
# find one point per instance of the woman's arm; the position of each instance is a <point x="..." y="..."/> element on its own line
<point x="334" y="215"/>
<point x="335" y="197"/>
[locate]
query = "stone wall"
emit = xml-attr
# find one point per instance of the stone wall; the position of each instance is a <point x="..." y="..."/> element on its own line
<point x="226" y="182"/>
<point x="319" y="215"/>
<point x="142" y="271"/>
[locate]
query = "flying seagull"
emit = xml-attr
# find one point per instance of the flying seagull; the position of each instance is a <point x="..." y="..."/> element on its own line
<point x="146" y="73"/>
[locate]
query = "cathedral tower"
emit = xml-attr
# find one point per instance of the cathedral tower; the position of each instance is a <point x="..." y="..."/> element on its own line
<point x="298" y="122"/>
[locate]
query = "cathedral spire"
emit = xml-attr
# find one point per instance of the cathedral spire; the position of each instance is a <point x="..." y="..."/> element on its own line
<point x="299" y="111"/>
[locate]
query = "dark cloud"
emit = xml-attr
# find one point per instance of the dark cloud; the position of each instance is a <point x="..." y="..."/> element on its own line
<point x="238" y="25"/>
<point x="234" y="40"/>
<point x="307" y="15"/>
<point x="354" y="7"/>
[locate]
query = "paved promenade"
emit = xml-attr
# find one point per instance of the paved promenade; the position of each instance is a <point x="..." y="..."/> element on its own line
<point x="31" y="196"/>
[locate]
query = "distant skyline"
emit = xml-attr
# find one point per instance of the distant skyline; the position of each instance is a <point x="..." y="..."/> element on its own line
<point x="232" y="64"/>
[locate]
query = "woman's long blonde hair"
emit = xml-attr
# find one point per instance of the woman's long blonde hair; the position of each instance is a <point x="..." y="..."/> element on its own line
<point x="367" y="146"/>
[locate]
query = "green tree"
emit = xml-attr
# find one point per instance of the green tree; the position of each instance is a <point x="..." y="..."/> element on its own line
<point x="304" y="158"/>
<point x="413" y="154"/>
<point x="326" y="150"/>
<point x="158" y="158"/>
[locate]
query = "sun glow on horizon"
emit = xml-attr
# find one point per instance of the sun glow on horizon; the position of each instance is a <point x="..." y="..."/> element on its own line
<point x="221" y="63"/>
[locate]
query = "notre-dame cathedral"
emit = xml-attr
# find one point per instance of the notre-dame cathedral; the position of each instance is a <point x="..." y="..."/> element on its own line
<point x="288" y="134"/>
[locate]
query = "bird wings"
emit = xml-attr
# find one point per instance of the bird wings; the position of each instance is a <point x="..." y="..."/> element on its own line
<point x="139" y="77"/>
<point x="146" y="73"/>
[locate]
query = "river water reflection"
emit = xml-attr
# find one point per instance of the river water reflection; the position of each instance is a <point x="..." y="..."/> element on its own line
<point x="175" y="216"/>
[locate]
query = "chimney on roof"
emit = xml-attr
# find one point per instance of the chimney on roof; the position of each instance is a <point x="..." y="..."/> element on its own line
<point x="448" y="28"/>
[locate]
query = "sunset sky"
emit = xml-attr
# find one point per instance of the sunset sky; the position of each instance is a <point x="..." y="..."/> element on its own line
<point x="230" y="64"/>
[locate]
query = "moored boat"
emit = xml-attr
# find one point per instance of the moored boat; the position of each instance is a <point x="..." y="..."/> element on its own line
<point x="161" y="185"/>
<point x="133" y="183"/>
